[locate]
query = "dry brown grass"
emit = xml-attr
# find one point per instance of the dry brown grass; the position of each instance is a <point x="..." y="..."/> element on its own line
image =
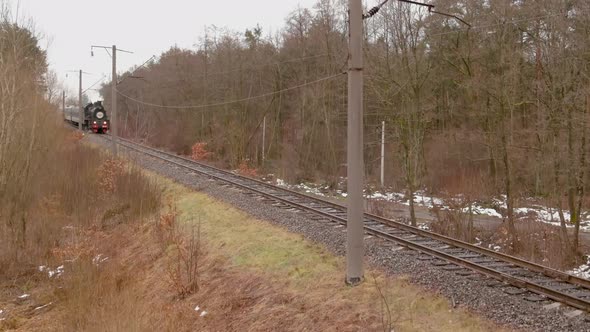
<point x="183" y="250"/>
<point x="76" y="190"/>
<point x="246" y="274"/>
<point x="65" y="223"/>
<point x="273" y="280"/>
<point x="252" y="277"/>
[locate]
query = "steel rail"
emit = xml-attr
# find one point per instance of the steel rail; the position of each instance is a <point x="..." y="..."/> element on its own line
<point x="513" y="280"/>
<point x="550" y="272"/>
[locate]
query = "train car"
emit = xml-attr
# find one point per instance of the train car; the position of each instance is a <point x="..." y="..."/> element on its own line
<point x="95" y="117"/>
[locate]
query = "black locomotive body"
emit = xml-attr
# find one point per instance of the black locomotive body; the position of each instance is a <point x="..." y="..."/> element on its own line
<point x="95" y="117"/>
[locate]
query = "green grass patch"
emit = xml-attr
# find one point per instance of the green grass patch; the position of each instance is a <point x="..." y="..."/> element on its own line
<point x="252" y="243"/>
<point x="310" y="270"/>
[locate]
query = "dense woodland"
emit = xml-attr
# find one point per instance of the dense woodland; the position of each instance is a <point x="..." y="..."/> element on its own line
<point x="499" y="107"/>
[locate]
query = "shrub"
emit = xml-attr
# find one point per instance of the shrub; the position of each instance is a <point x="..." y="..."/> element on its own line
<point x="199" y="151"/>
<point x="183" y="253"/>
<point x="245" y="170"/>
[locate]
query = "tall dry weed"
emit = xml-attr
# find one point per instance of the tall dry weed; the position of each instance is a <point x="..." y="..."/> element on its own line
<point x="183" y="251"/>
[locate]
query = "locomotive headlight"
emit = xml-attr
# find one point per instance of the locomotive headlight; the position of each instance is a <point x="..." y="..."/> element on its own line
<point x="94" y="122"/>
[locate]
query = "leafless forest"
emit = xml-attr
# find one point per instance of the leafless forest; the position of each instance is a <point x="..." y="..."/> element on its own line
<point x="499" y="107"/>
<point x="487" y="106"/>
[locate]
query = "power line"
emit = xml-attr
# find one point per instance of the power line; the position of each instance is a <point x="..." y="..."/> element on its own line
<point x="95" y="83"/>
<point x="232" y="101"/>
<point x="430" y="7"/>
<point x="262" y="66"/>
<point x="494" y="25"/>
<point x="266" y="65"/>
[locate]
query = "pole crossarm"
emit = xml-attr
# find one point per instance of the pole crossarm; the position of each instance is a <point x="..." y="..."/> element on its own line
<point x="78" y="71"/>
<point x="106" y="48"/>
<point x="430" y="7"/>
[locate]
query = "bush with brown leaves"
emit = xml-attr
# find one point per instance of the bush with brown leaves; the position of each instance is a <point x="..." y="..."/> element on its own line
<point x="245" y="170"/>
<point x="199" y="151"/>
<point x="108" y="172"/>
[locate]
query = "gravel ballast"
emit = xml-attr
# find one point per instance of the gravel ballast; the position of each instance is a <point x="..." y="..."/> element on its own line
<point x="475" y="292"/>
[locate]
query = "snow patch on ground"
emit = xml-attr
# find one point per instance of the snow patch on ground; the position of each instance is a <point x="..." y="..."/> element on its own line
<point x="99" y="259"/>
<point x="43" y="306"/>
<point x="494" y="208"/>
<point x="483" y="211"/>
<point x="281" y="183"/>
<point x="307" y="188"/>
<point x="203" y="313"/>
<point x="494" y="247"/>
<point x="582" y="271"/>
<point x="425" y="227"/>
<point x="52" y="273"/>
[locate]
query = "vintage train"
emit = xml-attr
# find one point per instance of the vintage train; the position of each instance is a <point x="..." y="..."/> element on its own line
<point x="95" y="117"/>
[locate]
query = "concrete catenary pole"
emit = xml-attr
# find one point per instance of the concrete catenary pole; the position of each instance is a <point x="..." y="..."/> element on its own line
<point x="263" y="136"/>
<point x="114" y="102"/>
<point x="382" y="154"/>
<point x="63" y="102"/>
<point x="355" y="234"/>
<point x="81" y="113"/>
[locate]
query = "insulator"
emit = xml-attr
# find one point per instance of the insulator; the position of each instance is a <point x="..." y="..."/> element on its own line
<point x="373" y="11"/>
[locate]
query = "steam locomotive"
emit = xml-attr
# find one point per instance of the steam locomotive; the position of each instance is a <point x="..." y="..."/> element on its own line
<point x="95" y="117"/>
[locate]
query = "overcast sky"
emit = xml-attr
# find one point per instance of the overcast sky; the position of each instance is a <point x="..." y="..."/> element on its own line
<point x="145" y="27"/>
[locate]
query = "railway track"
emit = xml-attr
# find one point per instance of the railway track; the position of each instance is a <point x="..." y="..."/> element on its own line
<point x="450" y="254"/>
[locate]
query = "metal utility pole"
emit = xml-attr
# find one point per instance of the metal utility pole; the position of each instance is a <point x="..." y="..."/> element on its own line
<point x="80" y="93"/>
<point x="114" y="102"/>
<point x="63" y="102"/>
<point x="263" y="136"/>
<point x="355" y="232"/>
<point x="114" y="131"/>
<point x="382" y="154"/>
<point x="81" y="113"/>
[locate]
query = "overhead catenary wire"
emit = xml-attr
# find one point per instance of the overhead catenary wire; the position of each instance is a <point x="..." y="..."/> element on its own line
<point x="134" y="70"/>
<point x="264" y="65"/>
<point x="373" y="11"/>
<point x="494" y="25"/>
<point x="270" y="64"/>
<point x="268" y="94"/>
<point x="95" y="83"/>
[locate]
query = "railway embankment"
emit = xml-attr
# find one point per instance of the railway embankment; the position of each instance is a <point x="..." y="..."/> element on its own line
<point x="476" y="293"/>
<point x="201" y="264"/>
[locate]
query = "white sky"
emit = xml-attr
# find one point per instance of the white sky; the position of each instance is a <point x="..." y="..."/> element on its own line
<point x="145" y="27"/>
